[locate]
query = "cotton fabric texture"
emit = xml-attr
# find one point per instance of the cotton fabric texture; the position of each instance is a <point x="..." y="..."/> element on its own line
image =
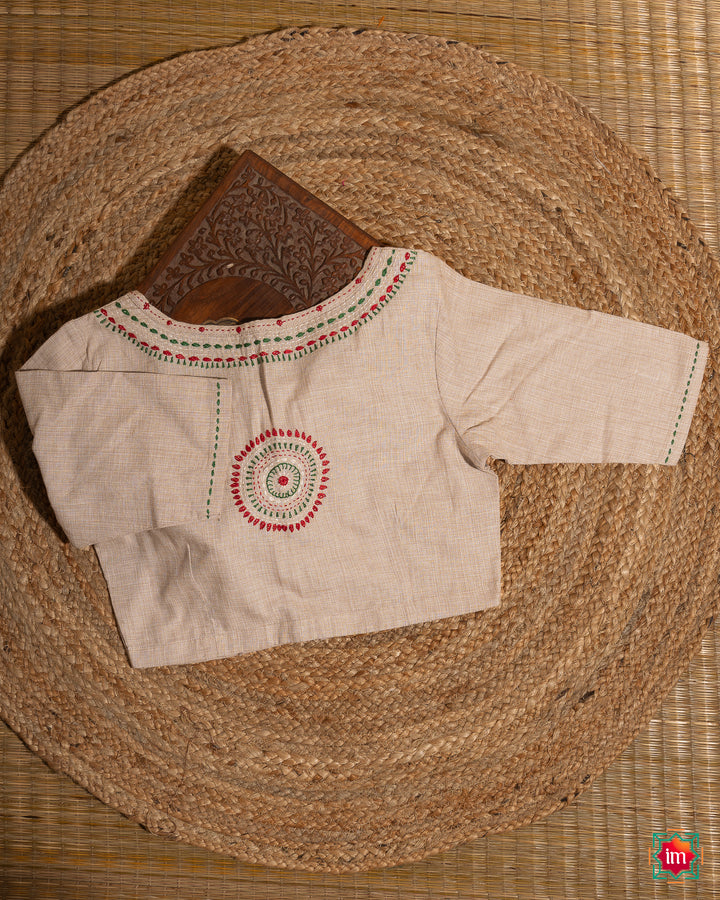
<point x="327" y="473"/>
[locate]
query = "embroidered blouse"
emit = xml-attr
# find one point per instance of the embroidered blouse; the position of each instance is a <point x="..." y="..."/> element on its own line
<point x="326" y="473"/>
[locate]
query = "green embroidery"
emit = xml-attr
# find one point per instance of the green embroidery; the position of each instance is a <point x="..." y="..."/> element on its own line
<point x="311" y="338"/>
<point x="682" y="405"/>
<point x="283" y="480"/>
<point x="279" y="480"/>
<point x="215" y="449"/>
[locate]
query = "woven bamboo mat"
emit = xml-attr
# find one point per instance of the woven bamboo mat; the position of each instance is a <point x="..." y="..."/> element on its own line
<point x="648" y="72"/>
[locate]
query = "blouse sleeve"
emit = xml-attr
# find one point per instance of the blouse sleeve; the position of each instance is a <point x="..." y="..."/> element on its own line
<point x="123" y="452"/>
<point x="532" y="381"/>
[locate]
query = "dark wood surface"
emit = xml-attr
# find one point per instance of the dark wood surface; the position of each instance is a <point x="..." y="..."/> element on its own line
<point x="260" y="246"/>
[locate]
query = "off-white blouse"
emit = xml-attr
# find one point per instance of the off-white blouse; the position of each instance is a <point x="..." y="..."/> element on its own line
<point x="325" y="473"/>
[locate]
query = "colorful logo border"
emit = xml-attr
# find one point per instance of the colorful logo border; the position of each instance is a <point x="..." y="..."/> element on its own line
<point x="660" y="840"/>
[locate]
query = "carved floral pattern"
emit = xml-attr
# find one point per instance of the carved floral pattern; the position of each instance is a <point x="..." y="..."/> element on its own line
<point x="257" y="230"/>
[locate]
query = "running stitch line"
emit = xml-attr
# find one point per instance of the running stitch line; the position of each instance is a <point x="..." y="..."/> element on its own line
<point x="682" y="405"/>
<point x="215" y="449"/>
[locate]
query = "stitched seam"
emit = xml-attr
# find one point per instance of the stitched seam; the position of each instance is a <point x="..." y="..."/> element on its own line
<point x="215" y="449"/>
<point x="682" y="405"/>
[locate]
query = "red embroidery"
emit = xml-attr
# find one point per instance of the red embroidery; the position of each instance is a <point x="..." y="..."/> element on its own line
<point x="258" y="333"/>
<point x="279" y="480"/>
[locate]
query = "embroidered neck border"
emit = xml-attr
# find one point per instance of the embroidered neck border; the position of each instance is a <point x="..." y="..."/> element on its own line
<point x="319" y="330"/>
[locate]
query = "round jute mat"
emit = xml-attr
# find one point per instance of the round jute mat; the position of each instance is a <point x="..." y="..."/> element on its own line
<point x="378" y="749"/>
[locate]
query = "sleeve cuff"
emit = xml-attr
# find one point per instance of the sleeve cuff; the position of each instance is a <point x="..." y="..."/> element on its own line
<point x="686" y="408"/>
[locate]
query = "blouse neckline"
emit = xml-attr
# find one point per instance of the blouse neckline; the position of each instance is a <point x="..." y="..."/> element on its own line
<point x="262" y="340"/>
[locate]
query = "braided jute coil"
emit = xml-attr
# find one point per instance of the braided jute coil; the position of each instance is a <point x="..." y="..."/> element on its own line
<point x="371" y="750"/>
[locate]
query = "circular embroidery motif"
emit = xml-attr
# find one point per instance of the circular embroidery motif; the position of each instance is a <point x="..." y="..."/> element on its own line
<point x="279" y="480"/>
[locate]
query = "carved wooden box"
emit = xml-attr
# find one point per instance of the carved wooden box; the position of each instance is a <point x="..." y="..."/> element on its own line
<point x="260" y="246"/>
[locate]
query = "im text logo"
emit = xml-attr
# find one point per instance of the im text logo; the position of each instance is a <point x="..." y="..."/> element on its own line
<point x="674" y="856"/>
